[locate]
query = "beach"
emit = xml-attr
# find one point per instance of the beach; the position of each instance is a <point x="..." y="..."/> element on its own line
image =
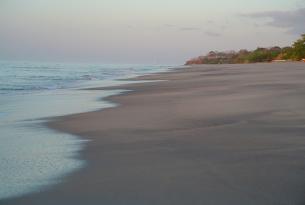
<point x="206" y="134"/>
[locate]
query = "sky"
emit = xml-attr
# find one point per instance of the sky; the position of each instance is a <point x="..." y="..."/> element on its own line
<point x="143" y="31"/>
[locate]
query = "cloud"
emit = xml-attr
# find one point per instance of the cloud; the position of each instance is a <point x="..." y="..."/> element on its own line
<point x="293" y="20"/>
<point x="181" y="28"/>
<point x="169" y="25"/>
<point x="210" y="22"/>
<point x="189" y="29"/>
<point x="212" y="34"/>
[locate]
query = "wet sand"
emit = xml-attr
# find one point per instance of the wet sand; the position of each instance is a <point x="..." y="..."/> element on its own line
<point x="207" y="135"/>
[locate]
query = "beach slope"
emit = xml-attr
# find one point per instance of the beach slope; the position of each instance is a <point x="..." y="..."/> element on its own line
<point x="208" y="134"/>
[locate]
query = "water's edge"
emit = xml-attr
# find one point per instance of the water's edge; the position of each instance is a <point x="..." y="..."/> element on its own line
<point x="76" y="144"/>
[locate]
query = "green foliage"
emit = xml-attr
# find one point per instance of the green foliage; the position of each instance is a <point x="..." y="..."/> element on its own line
<point x="296" y="53"/>
<point x="298" y="49"/>
<point x="262" y="55"/>
<point x="287" y="53"/>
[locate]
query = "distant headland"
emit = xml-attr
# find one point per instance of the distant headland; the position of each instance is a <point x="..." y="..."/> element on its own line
<point x="296" y="52"/>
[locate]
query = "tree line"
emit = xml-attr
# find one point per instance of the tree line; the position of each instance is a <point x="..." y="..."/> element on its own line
<point x="296" y="52"/>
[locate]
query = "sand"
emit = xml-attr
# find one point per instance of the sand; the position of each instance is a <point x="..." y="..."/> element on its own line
<point x="206" y="135"/>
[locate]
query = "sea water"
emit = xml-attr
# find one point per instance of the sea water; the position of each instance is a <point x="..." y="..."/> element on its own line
<point x="33" y="157"/>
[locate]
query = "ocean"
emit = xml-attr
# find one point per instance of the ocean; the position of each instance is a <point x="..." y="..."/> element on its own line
<point x="33" y="157"/>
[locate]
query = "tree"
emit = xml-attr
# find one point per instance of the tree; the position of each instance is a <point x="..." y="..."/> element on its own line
<point x="298" y="49"/>
<point x="263" y="55"/>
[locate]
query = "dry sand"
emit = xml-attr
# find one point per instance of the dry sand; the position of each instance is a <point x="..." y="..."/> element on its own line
<point x="208" y="135"/>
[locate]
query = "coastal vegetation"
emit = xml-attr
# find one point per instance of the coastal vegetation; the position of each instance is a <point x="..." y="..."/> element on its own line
<point x="296" y="52"/>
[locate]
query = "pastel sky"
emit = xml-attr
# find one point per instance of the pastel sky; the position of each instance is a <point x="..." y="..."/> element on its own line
<point x="143" y="31"/>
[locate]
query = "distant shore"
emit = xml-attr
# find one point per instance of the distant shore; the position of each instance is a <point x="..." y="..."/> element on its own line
<point x="295" y="53"/>
<point x="206" y="134"/>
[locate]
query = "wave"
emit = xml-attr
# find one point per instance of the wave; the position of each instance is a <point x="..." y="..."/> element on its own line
<point x="32" y="88"/>
<point x="27" y="77"/>
<point x="3" y="114"/>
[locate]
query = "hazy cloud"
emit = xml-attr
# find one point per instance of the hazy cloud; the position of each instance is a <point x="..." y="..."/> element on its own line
<point x="210" y="22"/>
<point x="212" y="34"/>
<point x="189" y="29"/>
<point x="169" y="25"/>
<point x="294" y="20"/>
<point x="181" y="28"/>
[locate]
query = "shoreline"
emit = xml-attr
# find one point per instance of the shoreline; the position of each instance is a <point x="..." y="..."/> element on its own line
<point x="169" y="142"/>
<point x="123" y="88"/>
<point x="56" y="153"/>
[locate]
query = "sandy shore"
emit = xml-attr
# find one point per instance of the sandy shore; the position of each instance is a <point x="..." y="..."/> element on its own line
<point x="208" y="135"/>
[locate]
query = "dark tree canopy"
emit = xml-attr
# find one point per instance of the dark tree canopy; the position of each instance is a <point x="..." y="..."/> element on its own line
<point x="296" y="53"/>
